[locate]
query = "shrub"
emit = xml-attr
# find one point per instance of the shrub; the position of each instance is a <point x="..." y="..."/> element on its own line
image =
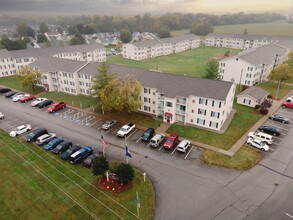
<point x="264" y="111"/>
<point x="270" y="96"/>
<point x="266" y="104"/>
<point x="257" y="107"/>
<point x="100" y="166"/>
<point x="125" y="173"/>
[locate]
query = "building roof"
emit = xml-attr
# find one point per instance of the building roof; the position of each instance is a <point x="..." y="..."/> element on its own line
<point x="53" y="64"/>
<point x="146" y="43"/>
<point x="5" y="53"/>
<point x="287" y="44"/>
<point x="170" y="84"/>
<point x="254" y="92"/>
<point x="250" y="36"/>
<point x="179" y="38"/>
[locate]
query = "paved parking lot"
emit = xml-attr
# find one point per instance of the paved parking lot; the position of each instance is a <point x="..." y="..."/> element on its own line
<point x="87" y="121"/>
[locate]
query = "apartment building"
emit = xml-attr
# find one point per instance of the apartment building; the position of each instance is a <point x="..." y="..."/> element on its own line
<point x="12" y="61"/>
<point x="174" y="98"/>
<point x="252" y="66"/>
<point x="241" y="41"/>
<point x="159" y="47"/>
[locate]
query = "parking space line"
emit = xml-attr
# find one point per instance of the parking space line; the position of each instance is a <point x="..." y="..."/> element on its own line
<point x="285" y="111"/>
<point x="188" y="152"/>
<point x="138" y="140"/>
<point x="161" y="147"/>
<point x="272" y="149"/>
<point x="174" y="150"/>
<point x="131" y="134"/>
<point x="275" y="137"/>
<point x="276" y="143"/>
<point x="277" y="126"/>
<point x="95" y="123"/>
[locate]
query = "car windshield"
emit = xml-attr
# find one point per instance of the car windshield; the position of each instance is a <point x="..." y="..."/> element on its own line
<point x="262" y="144"/>
<point x="59" y="147"/>
<point x="69" y="151"/>
<point x="52" y="106"/>
<point x="169" y="141"/>
<point x="31" y="134"/>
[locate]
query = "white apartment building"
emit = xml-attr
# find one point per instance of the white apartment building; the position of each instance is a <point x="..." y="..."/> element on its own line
<point x="12" y="61"/>
<point x="159" y="47"/>
<point x="241" y="41"/>
<point x="252" y="66"/>
<point x="174" y="98"/>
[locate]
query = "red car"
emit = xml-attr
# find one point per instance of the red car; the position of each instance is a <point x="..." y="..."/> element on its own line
<point x="27" y="98"/>
<point x="287" y="104"/>
<point x="56" y="106"/>
<point x="171" y="141"/>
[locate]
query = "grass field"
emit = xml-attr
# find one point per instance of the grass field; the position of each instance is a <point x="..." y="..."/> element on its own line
<point x="13" y="82"/>
<point x="38" y="185"/>
<point x="191" y="62"/>
<point x="273" y="88"/>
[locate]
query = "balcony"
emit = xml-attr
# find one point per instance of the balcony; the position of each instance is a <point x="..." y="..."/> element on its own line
<point x="180" y="112"/>
<point x="181" y="101"/>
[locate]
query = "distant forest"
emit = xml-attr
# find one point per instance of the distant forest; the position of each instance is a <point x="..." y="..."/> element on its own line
<point x="146" y="22"/>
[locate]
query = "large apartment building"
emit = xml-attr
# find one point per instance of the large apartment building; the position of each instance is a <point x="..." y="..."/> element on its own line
<point x="174" y="98"/>
<point x="241" y="41"/>
<point x="159" y="47"/>
<point x="253" y="66"/>
<point x="12" y="61"/>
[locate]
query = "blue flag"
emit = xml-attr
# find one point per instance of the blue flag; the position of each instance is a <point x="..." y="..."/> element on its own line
<point x="127" y="153"/>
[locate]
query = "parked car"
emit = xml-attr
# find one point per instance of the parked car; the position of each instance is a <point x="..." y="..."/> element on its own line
<point x="88" y="162"/>
<point x="18" y="97"/>
<point x="109" y="124"/>
<point x="37" y="101"/>
<point x="81" y="154"/>
<point x="9" y="94"/>
<point x="261" y="136"/>
<point x="20" y="130"/>
<point x="63" y="146"/>
<point x="279" y="118"/>
<point x="287" y="104"/>
<point x="65" y="155"/>
<point x="125" y="130"/>
<point x="56" y="106"/>
<point x="16" y="94"/>
<point x="148" y="134"/>
<point x="157" y="140"/>
<point x="1" y="115"/>
<point x="27" y="98"/>
<point x="45" y="138"/>
<point x="290" y="99"/>
<point x="270" y="130"/>
<point x="53" y="143"/>
<point x="4" y="90"/>
<point x="258" y="144"/>
<point x="33" y="135"/>
<point x="171" y="141"/>
<point x="44" y="103"/>
<point x="183" y="146"/>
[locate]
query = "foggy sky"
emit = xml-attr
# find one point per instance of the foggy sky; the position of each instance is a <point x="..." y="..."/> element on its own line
<point x="129" y="7"/>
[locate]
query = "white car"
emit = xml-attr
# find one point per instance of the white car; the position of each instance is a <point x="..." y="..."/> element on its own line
<point x="258" y="144"/>
<point x="157" y="140"/>
<point x="18" y="97"/>
<point x="37" y="101"/>
<point x="183" y="146"/>
<point x="290" y="99"/>
<point x="20" y="130"/>
<point x="125" y="130"/>
<point x="45" y="138"/>
<point x="1" y="115"/>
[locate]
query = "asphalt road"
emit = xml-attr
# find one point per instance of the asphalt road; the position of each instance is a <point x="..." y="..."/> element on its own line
<point x="187" y="189"/>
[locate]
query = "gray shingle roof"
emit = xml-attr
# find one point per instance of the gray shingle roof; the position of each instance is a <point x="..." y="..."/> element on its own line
<point x="147" y="43"/>
<point x="5" y="53"/>
<point x="170" y="84"/>
<point x="179" y="38"/>
<point x="254" y="92"/>
<point x="287" y="44"/>
<point x="250" y="36"/>
<point x="52" y="64"/>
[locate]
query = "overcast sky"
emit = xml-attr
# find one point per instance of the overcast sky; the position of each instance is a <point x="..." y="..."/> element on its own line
<point x="131" y="7"/>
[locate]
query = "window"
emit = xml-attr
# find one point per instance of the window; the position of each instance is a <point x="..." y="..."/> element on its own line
<point x="169" y="104"/>
<point x="203" y="101"/>
<point x="200" y="121"/>
<point x="202" y="111"/>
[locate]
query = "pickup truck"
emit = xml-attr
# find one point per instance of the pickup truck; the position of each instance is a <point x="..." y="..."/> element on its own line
<point x="125" y="130"/>
<point x="287" y="104"/>
<point x="171" y="141"/>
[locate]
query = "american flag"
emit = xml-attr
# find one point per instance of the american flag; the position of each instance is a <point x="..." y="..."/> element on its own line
<point x="104" y="143"/>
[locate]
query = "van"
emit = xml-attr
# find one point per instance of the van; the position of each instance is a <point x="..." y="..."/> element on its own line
<point x="268" y="139"/>
<point x="33" y="135"/>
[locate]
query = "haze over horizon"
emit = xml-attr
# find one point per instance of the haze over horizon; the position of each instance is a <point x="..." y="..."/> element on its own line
<point x="134" y="7"/>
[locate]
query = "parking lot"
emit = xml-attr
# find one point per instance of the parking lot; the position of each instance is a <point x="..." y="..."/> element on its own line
<point x="88" y="121"/>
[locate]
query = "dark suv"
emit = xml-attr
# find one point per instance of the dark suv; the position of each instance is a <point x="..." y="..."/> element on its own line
<point x="148" y="134"/>
<point x="65" y="155"/>
<point x="62" y="147"/>
<point x="269" y="130"/>
<point x="33" y="135"/>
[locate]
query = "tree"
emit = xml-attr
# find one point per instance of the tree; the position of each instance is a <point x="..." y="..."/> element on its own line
<point x="78" y="39"/>
<point x="25" y="31"/>
<point x="100" y="166"/>
<point x="201" y="26"/>
<point x="43" y="28"/>
<point x="164" y="33"/>
<point x="41" y="38"/>
<point x="125" y="173"/>
<point x="125" y="36"/>
<point x="281" y="73"/>
<point x="72" y="30"/>
<point x="102" y="78"/>
<point x="131" y="91"/>
<point x="212" y="70"/>
<point x="30" y="77"/>
<point x="80" y="28"/>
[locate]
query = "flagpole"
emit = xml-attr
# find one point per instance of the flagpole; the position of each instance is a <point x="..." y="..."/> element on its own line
<point x="126" y="159"/>
<point x="137" y="203"/>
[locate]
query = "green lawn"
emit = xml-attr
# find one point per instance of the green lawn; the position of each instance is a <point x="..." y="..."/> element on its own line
<point x="191" y="62"/>
<point x="272" y="88"/>
<point x="39" y="186"/>
<point x="13" y="82"/>
<point x="273" y="28"/>
<point x="79" y="101"/>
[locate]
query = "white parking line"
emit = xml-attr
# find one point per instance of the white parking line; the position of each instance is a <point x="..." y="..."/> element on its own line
<point x="131" y="134"/>
<point x="161" y="147"/>
<point x="289" y="215"/>
<point x="276" y="143"/>
<point x="275" y="137"/>
<point x="95" y="123"/>
<point x="284" y="110"/>
<point x="138" y="140"/>
<point x="273" y="125"/>
<point x="174" y="150"/>
<point x="188" y="152"/>
<point x="272" y="149"/>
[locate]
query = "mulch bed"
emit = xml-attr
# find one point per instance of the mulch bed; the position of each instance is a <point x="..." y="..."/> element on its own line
<point x="113" y="185"/>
